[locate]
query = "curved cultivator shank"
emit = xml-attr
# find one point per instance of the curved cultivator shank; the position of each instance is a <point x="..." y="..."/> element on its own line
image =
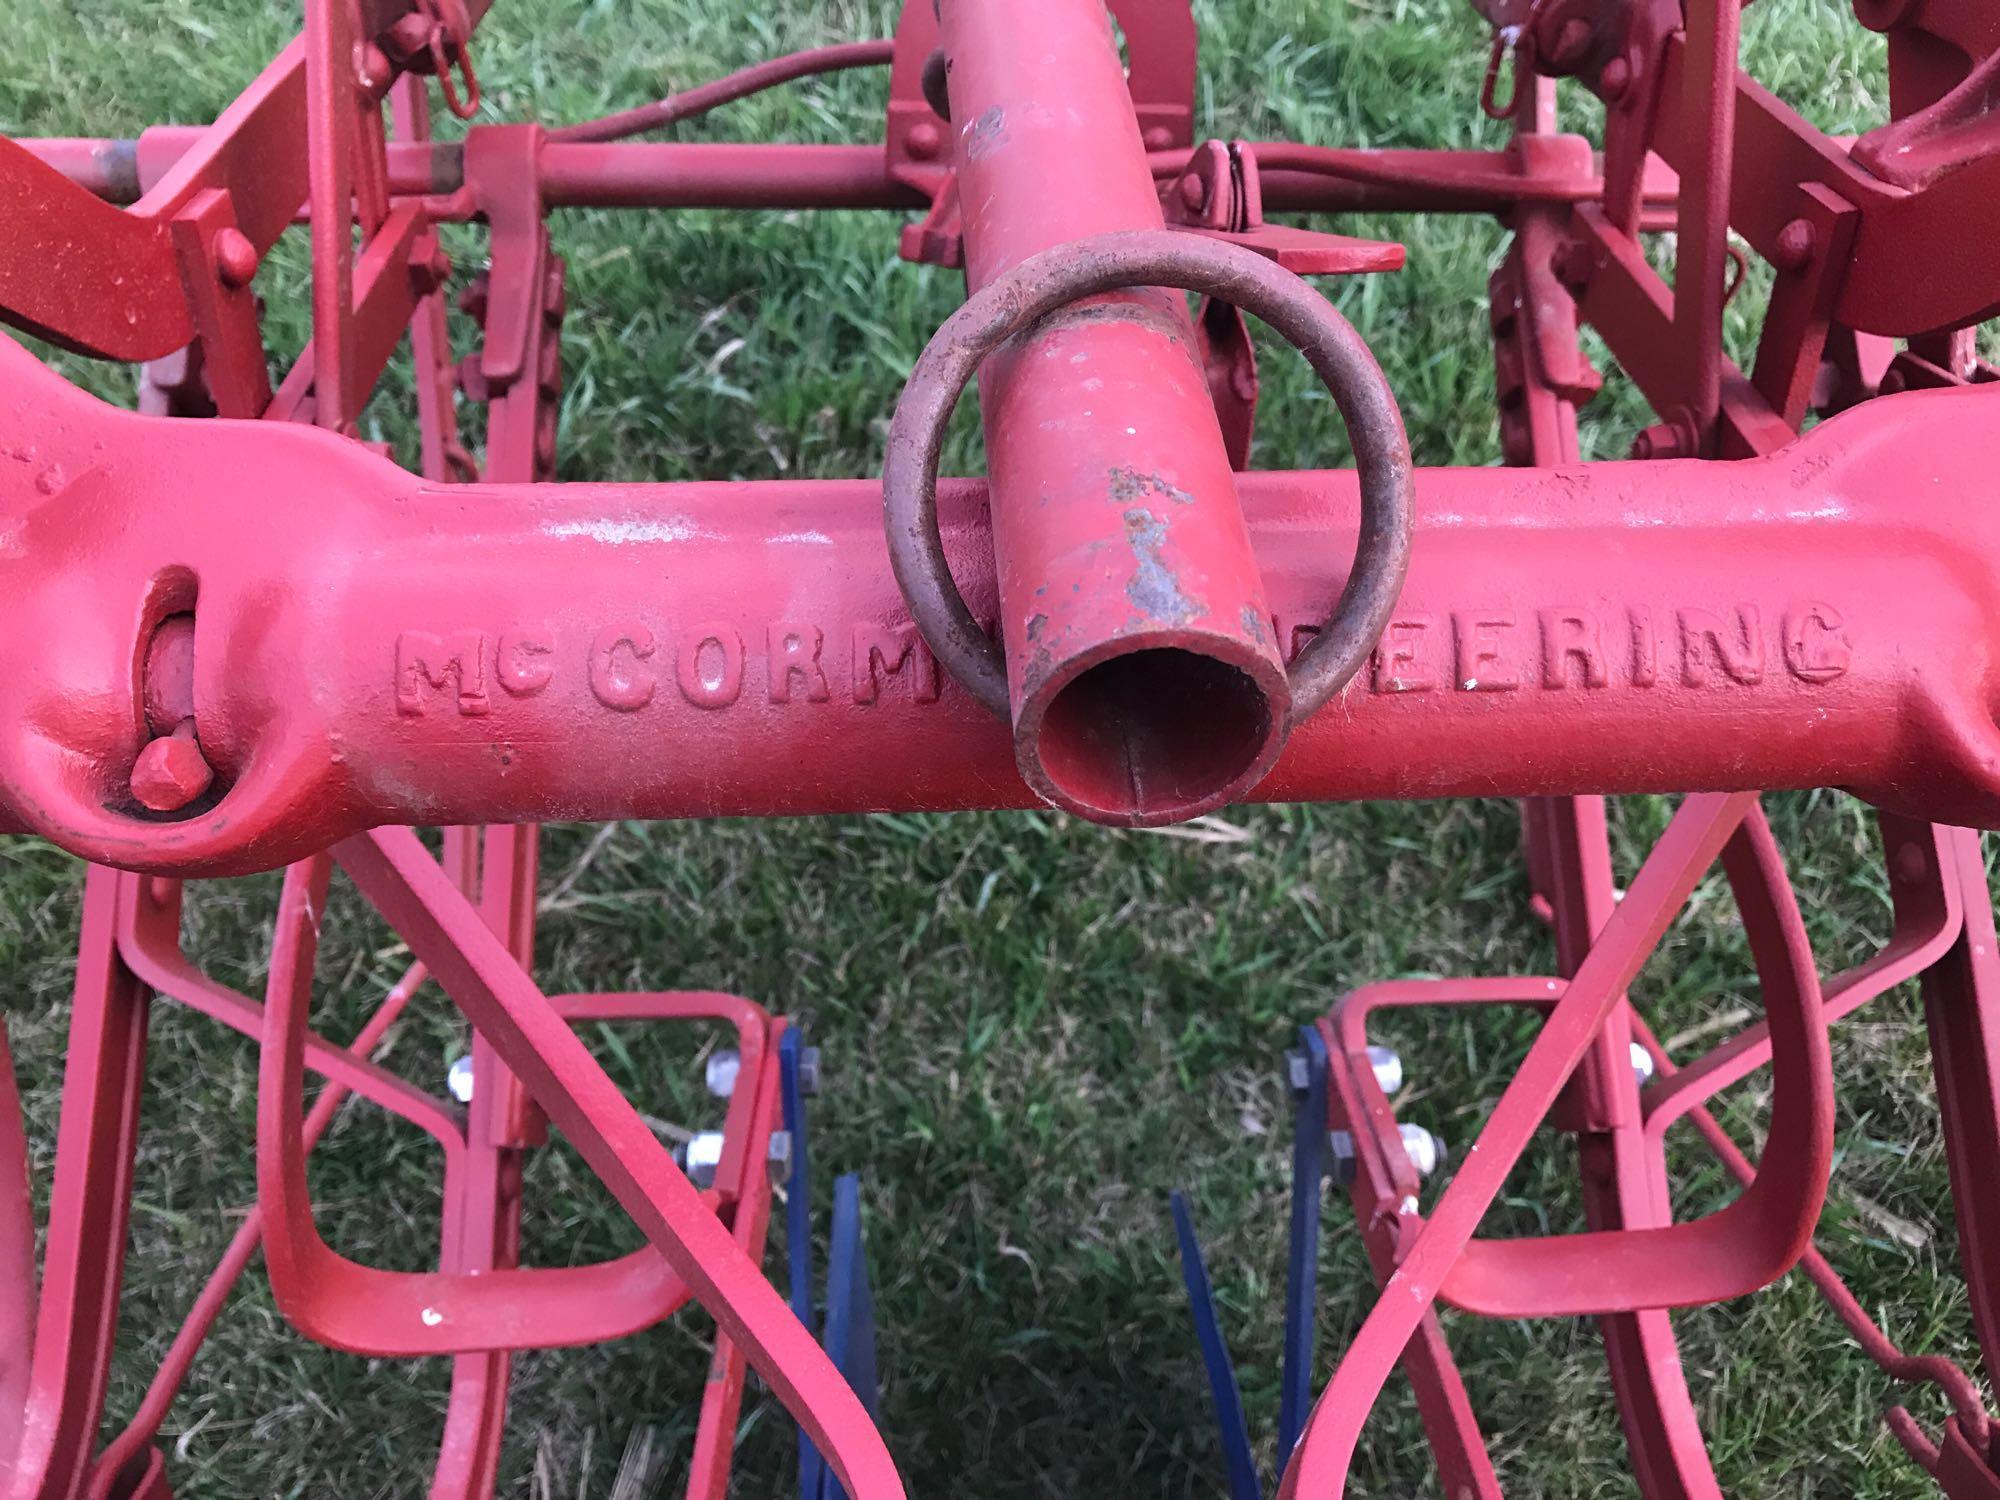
<point x="259" y="642"/>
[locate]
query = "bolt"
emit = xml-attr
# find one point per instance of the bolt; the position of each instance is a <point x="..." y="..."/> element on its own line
<point x="171" y="771"/>
<point x="1642" y="1064"/>
<point x="1296" y="1072"/>
<point x="235" y="256"/>
<point x="1388" y="1068"/>
<point x="458" y="1078"/>
<point x="701" y="1156"/>
<point x="1572" y="41"/>
<point x="1615" y="79"/>
<point x="1157" y="138"/>
<point x="1671" y="439"/>
<point x="719" y="1073"/>
<point x="1340" y="1145"/>
<point x="1796" y="243"/>
<point x="1194" y="192"/>
<point x="779" y="1155"/>
<point x="924" y="141"/>
<point x="1426" y="1151"/>
<point x="809" y="1071"/>
<point x="1651" y="442"/>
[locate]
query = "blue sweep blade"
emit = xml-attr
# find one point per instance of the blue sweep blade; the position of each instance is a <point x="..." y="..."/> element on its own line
<point x="1309" y="1168"/>
<point x="850" y="1308"/>
<point x="798" y="1230"/>
<point x="1235" y="1431"/>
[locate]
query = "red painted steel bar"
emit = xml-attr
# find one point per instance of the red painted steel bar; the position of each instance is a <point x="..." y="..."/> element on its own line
<point x="719" y="175"/>
<point x="1792" y="621"/>
<point x="1144" y="680"/>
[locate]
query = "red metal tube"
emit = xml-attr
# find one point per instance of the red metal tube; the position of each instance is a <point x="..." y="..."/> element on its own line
<point x="628" y="174"/>
<point x="389" y="651"/>
<point x="709" y="174"/>
<point x="1145" y="682"/>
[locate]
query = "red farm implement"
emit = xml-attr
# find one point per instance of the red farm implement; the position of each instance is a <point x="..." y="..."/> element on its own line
<point x="247" y="639"/>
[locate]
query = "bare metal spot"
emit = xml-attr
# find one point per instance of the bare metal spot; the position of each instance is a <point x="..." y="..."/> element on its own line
<point x="1128" y="484"/>
<point x="984" y="133"/>
<point x="1153" y="589"/>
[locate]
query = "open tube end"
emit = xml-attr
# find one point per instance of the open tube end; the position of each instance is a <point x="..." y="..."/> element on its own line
<point x="1151" y="736"/>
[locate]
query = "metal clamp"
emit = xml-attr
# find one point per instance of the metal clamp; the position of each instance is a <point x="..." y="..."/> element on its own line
<point x="1014" y="304"/>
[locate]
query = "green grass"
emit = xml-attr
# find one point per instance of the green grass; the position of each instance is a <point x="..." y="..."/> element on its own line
<point x="1034" y="1029"/>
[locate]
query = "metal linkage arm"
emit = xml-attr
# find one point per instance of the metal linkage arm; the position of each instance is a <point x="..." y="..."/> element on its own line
<point x="345" y="646"/>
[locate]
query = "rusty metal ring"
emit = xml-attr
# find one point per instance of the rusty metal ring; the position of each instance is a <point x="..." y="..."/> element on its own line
<point x="1014" y="304"/>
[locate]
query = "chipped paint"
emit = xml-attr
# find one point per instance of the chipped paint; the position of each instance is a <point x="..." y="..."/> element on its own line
<point x="1153" y="588"/>
<point x="1128" y="484"/>
<point x="614" y="532"/>
<point x="983" y="134"/>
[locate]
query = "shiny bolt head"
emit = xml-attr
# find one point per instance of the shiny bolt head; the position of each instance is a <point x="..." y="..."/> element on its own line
<point x="779" y="1156"/>
<point x="458" y="1078"/>
<point x="171" y="771"/>
<point x="701" y="1156"/>
<point x="924" y="141"/>
<point x="720" y="1071"/>
<point x="235" y="257"/>
<point x="1297" y="1073"/>
<point x="1387" y="1067"/>
<point x="1642" y="1064"/>
<point x="809" y="1077"/>
<point x="1426" y="1151"/>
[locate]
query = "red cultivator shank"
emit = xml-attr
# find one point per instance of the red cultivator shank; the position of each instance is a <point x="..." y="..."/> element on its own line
<point x="260" y="643"/>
